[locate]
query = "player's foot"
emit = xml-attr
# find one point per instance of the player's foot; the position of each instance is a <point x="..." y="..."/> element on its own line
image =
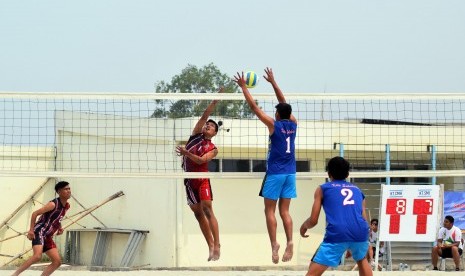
<point x="210" y="253"/>
<point x="274" y="253"/>
<point x="216" y="253"/>
<point x="289" y="252"/>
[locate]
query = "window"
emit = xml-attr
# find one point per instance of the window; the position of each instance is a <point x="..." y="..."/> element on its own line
<point x="302" y="166"/>
<point x="214" y="165"/>
<point x="258" y="165"/>
<point x="236" y="165"/>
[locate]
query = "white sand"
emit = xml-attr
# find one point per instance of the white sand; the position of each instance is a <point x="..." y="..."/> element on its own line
<point x="223" y="273"/>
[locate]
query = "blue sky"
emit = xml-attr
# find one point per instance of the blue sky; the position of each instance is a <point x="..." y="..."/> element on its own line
<point x="313" y="46"/>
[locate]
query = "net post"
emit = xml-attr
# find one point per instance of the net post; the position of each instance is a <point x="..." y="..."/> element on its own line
<point x="388" y="162"/>
<point x="433" y="163"/>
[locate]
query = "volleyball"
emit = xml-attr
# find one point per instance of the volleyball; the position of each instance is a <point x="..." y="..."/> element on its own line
<point x="251" y="79"/>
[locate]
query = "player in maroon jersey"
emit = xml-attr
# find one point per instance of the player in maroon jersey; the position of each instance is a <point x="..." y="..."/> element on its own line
<point x="196" y="154"/>
<point x="41" y="232"/>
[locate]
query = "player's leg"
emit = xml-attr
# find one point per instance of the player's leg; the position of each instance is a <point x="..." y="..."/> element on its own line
<point x="456" y="256"/>
<point x="56" y="261"/>
<point x="193" y="200"/>
<point x="36" y="256"/>
<point x="435" y="253"/>
<point x="270" y="191"/>
<point x="284" y="204"/>
<point x="206" y="199"/>
<point x="364" y="268"/>
<point x="359" y="250"/>
<point x="204" y="227"/>
<point x="327" y="255"/>
<point x="213" y="224"/>
<point x="271" y="225"/>
<point x="288" y="192"/>
<point x="316" y="269"/>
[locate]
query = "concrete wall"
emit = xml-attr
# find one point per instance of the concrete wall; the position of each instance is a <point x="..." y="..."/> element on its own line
<point x="159" y="206"/>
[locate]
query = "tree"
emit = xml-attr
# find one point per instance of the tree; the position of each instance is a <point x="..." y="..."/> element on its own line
<point x="207" y="79"/>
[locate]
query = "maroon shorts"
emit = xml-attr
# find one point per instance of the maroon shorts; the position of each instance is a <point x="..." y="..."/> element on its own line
<point x="46" y="241"/>
<point x="198" y="190"/>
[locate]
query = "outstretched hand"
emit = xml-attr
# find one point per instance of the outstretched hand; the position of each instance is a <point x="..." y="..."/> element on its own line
<point x="239" y="79"/>
<point x="180" y="150"/>
<point x="269" y="75"/>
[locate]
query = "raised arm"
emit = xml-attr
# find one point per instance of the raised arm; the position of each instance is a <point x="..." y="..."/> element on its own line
<point x="310" y="222"/>
<point x="267" y="120"/>
<point x="270" y="78"/>
<point x="279" y="94"/>
<point x="203" y="119"/>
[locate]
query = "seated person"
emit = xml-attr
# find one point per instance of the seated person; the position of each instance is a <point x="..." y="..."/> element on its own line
<point x="449" y="244"/>
<point x="372" y="239"/>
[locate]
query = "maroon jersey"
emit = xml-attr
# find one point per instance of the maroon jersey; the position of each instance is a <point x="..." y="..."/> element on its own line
<point x="199" y="146"/>
<point x="50" y="221"/>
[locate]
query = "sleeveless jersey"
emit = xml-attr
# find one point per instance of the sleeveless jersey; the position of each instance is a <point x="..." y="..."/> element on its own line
<point x="281" y="148"/>
<point x="198" y="145"/>
<point x="50" y="221"/>
<point x="342" y="202"/>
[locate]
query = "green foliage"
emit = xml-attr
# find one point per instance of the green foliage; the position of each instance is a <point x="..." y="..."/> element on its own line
<point x="207" y="79"/>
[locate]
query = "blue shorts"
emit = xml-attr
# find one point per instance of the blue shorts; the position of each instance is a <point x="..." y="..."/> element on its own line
<point x="277" y="186"/>
<point x="330" y="254"/>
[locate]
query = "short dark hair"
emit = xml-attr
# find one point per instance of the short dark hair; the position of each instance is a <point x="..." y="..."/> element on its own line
<point x="213" y="122"/>
<point x="338" y="168"/>
<point x="284" y="110"/>
<point x="450" y="219"/>
<point x="374" y="220"/>
<point x="60" y="185"/>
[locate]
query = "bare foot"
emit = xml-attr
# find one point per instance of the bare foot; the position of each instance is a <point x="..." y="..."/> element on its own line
<point x="216" y="253"/>
<point x="210" y="253"/>
<point x="289" y="252"/>
<point x="274" y="253"/>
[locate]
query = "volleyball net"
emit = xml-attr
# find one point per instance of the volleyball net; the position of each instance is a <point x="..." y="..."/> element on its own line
<point x="135" y="134"/>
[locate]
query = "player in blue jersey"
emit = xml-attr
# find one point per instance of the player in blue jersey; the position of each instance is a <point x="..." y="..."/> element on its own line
<point x="278" y="187"/>
<point x="346" y="221"/>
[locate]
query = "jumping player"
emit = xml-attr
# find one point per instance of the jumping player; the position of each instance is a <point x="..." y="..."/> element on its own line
<point x="196" y="154"/>
<point x="41" y="232"/>
<point x="346" y="221"/>
<point x="279" y="185"/>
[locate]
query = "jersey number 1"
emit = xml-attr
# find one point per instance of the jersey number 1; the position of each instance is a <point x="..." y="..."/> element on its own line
<point x="288" y="140"/>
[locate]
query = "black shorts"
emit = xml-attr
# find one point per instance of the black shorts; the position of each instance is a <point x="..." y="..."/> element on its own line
<point x="46" y="241"/>
<point x="447" y="252"/>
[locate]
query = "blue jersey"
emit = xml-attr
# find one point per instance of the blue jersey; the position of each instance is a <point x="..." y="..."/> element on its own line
<point x="342" y="202"/>
<point x="281" y="149"/>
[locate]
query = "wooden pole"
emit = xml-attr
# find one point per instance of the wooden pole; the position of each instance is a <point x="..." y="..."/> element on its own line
<point x="5" y="222"/>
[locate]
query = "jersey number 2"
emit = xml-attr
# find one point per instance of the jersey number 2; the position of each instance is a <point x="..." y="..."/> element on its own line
<point x="347" y="193"/>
